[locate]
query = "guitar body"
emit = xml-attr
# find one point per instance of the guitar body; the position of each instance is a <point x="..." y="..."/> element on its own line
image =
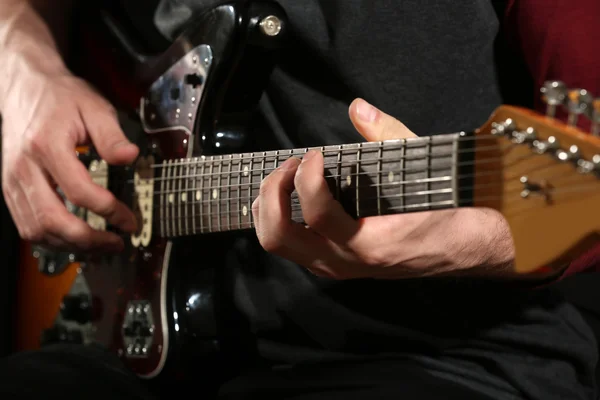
<point x="157" y="306"/>
<point x="131" y="302"/>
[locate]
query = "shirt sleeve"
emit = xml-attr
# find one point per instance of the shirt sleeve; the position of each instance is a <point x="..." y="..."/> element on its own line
<point x="559" y="40"/>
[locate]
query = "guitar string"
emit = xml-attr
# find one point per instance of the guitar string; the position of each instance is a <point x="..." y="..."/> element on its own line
<point x="236" y="225"/>
<point x="392" y="144"/>
<point x="294" y="201"/>
<point x="395" y="172"/>
<point x="204" y="164"/>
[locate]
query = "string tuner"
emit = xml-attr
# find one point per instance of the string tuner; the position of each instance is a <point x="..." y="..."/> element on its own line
<point x="553" y="94"/>
<point x="570" y="155"/>
<point x="595" y="117"/>
<point x="586" y="166"/>
<point x="544" y="146"/>
<point x="527" y="136"/>
<point x="505" y="127"/>
<point x="579" y="101"/>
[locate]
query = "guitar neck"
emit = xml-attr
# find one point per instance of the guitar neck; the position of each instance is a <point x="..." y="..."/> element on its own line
<point x="215" y="193"/>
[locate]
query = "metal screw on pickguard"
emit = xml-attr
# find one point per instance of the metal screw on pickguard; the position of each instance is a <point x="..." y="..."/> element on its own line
<point x="553" y="94"/>
<point x="580" y="100"/>
<point x="270" y="26"/>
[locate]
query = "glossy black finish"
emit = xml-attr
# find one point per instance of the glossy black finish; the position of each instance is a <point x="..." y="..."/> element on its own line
<point x="243" y="58"/>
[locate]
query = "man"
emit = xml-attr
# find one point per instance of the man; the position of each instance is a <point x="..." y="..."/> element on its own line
<point x="320" y="326"/>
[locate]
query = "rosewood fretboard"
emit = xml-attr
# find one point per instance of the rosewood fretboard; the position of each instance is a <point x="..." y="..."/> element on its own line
<point x="215" y="193"/>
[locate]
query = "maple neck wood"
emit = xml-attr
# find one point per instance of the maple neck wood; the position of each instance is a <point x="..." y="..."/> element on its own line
<point x="215" y="194"/>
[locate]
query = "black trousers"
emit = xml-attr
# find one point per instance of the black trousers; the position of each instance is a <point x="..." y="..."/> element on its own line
<point x="77" y="372"/>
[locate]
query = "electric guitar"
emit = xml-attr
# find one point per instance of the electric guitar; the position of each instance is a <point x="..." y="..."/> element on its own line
<point x="543" y="175"/>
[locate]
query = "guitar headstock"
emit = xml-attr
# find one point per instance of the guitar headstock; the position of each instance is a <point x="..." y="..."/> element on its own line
<point x="543" y="175"/>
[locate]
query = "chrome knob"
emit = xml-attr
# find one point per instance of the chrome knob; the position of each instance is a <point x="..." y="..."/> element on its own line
<point x="587" y="167"/>
<point x="526" y="136"/>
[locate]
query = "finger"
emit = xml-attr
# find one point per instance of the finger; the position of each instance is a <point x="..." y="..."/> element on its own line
<point x="55" y="222"/>
<point x="105" y="132"/>
<point x="75" y="181"/>
<point x="375" y="125"/>
<point x="320" y="210"/>
<point x="276" y="231"/>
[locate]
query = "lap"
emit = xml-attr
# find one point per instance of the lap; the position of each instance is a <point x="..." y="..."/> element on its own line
<point x="92" y="373"/>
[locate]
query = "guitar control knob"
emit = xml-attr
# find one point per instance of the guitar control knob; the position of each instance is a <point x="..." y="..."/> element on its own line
<point x="76" y="308"/>
<point x="553" y="94"/>
<point x="579" y="102"/>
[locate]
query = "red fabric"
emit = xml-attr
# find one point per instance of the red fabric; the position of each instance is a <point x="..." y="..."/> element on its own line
<point x="559" y="40"/>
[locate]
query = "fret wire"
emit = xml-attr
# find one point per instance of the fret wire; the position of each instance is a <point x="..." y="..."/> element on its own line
<point x="379" y="178"/>
<point x="239" y="193"/>
<point x="201" y="197"/>
<point x="181" y="204"/>
<point x="250" y="184"/>
<point x="357" y="180"/>
<point x="210" y="196"/>
<point x="218" y="197"/>
<point x="446" y="139"/>
<point x="192" y="198"/>
<point x="170" y="215"/>
<point x="403" y="169"/>
<point x="338" y="179"/>
<point x="229" y="190"/>
<point x="429" y="168"/>
<point x="163" y="200"/>
<point x="367" y="162"/>
<point x="453" y="170"/>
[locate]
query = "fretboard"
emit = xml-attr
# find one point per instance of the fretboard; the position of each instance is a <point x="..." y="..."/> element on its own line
<point x="215" y="193"/>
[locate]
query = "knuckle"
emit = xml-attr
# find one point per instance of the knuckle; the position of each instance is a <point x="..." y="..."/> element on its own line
<point x="316" y="217"/>
<point x="34" y="142"/>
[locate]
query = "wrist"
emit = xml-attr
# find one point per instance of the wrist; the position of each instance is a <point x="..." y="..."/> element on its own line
<point x="27" y="64"/>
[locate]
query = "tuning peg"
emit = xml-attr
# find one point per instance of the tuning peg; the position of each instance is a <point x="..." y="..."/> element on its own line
<point x="527" y="136"/>
<point x="579" y="101"/>
<point x="503" y="128"/>
<point x="571" y="155"/>
<point x="586" y="167"/>
<point x="553" y="94"/>
<point x="595" y="117"/>
<point x="544" y="146"/>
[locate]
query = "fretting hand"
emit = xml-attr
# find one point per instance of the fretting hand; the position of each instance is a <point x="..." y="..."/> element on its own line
<point x="46" y="115"/>
<point x="334" y="245"/>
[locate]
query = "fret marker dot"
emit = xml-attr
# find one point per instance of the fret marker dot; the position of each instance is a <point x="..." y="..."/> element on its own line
<point x="245" y="171"/>
<point x="171" y="198"/>
<point x="245" y="210"/>
<point x="198" y="195"/>
<point x="349" y="180"/>
<point x="215" y="194"/>
<point x="183" y="197"/>
<point x="391" y="176"/>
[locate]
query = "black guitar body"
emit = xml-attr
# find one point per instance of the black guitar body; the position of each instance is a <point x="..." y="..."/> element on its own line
<point x="156" y="305"/>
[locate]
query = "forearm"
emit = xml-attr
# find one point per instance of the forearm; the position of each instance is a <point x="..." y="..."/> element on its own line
<point x="27" y="43"/>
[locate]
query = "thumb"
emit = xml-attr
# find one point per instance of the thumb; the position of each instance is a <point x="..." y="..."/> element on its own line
<point x="107" y="136"/>
<point x="375" y="125"/>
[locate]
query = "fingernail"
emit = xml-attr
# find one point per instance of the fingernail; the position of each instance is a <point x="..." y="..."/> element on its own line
<point x="288" y="163"/>
<point x="309" y="155"/>
<point x="122" y="143"/>
<point x="366" y="112"/>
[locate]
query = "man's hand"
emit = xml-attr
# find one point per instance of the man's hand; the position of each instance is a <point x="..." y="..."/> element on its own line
<point x="334" y="245"/>
<point x="45" y="116"/>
